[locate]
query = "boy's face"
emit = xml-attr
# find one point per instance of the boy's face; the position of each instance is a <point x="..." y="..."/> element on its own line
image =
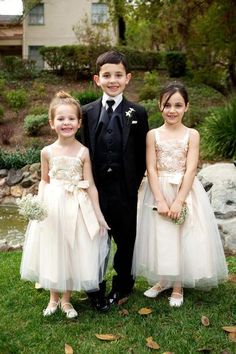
<point x="112" y="79"/>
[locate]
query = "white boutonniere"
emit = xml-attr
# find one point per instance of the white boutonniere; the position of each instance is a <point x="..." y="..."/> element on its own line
<point x="129" y="114"/>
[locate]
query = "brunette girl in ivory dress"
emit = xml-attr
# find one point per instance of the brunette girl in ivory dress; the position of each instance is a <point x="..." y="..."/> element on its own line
<point x="178" y="243"/>
<point x="67" y="250"/>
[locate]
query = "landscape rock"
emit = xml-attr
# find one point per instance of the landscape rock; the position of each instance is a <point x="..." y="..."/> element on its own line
<point x="219" y="180"/>
<point x="14" y="177"/>
<point x="3" y="173"/>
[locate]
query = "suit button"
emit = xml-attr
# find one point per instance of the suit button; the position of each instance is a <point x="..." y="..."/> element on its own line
<point x="109" y="131"/>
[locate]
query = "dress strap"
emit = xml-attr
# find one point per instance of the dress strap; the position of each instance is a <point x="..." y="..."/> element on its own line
<point x="49" y="151"/>
<point x="156" y="135"/>
<point x="187" y="135"/>
<point x="81" y="151"/>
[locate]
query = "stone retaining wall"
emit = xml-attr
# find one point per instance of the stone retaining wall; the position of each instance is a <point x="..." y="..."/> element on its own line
<point x="219" y="180"/>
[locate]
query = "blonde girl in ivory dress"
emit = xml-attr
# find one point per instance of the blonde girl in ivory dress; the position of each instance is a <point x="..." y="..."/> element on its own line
<point x="171" y="254"/>
<point x="67" y="250"/>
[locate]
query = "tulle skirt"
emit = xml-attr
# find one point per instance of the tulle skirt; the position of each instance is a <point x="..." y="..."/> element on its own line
<point x="191" y="253"/>
<point x="57" y="258"/>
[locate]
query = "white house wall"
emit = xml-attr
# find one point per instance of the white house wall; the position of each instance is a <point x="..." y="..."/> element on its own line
<point x="59" y="18"/>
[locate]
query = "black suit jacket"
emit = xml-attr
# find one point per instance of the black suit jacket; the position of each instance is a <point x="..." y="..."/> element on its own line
<point x="135" y="128"/>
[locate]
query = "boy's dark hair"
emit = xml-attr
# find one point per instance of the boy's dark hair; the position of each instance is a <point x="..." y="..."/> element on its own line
<point x="111" y="57"/>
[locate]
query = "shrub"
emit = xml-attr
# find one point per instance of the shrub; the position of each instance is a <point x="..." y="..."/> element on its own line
<point x="218" y="132"/>
<point x="155" y="119"/>
<point x="176" y="63"/>
<point x="38" y="110"/>
<point x="2" y="85"/>
<point x="149" y="90"/>
<point x="38" y="90"/>
<point x="141" y="60"/>
<point x="33" y="123"/>
<point x="86" y="96"/>
<point x="18" y="68"/>
<point x="148" y="93"/>
<point x="76" y="60"/>
<point x="6" y="134"/>
<point x="16" y="99"/>
<point x="19" y="159"/>
<point x="1" y="114"/>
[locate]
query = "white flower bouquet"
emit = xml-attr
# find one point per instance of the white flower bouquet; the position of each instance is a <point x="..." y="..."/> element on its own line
<point x="31" y="208"/>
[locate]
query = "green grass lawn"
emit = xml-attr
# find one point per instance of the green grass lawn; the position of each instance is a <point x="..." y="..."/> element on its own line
<point x="23" y="329"/>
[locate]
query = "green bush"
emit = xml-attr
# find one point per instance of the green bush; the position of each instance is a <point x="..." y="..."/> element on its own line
<point x="38" y="90"/>
<point x="176" y="63"/>
<point x="139" y="60"/>
<point x="18" y="68"/>
<point x="38" y="110"/>
<point x="33" y="123"/>
<point x="1" y="114"/>
<point x="155" y="119"/>
<point x="148" y="93"/>
<point x="16" y="99"/>
<point x="75" y="60"/>
<point x="150" y="88"/>
<point x="218" y="132"/>
<point x="86" y="96"/>
<point x="2" y="85"/>
<point x="18" y="159"/>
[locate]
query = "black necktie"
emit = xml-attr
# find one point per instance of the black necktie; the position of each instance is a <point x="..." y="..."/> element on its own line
<point x="110" y="103"/>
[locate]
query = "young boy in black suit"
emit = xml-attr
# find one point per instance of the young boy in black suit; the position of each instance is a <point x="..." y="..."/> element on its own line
<point x="114" y="130"/>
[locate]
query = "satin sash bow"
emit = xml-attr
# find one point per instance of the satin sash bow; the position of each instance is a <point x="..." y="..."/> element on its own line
<point x="78" y="198"/>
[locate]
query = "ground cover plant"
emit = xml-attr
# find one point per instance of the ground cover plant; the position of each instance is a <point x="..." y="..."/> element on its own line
<point x="194" y="328"/>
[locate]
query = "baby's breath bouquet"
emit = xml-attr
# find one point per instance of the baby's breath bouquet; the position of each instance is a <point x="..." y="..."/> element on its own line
<point x="183" y="214"/>
<point x="31" y="208"/>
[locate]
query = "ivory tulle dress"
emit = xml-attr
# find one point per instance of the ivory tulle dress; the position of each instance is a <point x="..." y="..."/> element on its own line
<point x="191" y="253"/>
<point x="65" y="251"/>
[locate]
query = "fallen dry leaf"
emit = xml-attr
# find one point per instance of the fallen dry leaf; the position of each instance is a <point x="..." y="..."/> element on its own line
<point x="168" y="353"/>
<point x="232" y="337"/>
<point x="151" y="343"/>
<point x="124" y="312"/>
<point x="122" y="301"/>
<point x="232" y="278"/>
<point x="68" y="349"/>
<point x="231" y="329"/>
<point x="145" y="311"/>
<point x="205" y="321"/>
<point x="107" y="336"/>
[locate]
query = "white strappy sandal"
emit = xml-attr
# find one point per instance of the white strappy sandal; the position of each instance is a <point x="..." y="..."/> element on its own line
<point x="51" y="308"/>
<point x="155" y="290"/>
<point x="176" y="301"/>
<point x="70" y="312"/>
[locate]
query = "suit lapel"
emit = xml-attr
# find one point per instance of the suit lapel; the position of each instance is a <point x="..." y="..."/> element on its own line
<point x="127" y="121"/>
<point x="93" y="117"/>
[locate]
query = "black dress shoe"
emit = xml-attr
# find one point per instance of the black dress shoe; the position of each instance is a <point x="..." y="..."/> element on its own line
<point x="99" y="302"/>
<point x="98" y="299"/>
<point x="101" y="305"/>
<point x="115" y="296"/>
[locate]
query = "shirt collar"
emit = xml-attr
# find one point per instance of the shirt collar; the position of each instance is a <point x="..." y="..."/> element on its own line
<point x="117" y="100"/>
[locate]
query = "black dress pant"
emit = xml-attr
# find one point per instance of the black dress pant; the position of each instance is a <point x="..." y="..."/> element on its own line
<point x="119" y="210"/>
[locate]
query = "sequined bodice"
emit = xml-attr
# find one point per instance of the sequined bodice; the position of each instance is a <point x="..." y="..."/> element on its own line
<point x="171" y="153"/>
<point x="66" y="168"/>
